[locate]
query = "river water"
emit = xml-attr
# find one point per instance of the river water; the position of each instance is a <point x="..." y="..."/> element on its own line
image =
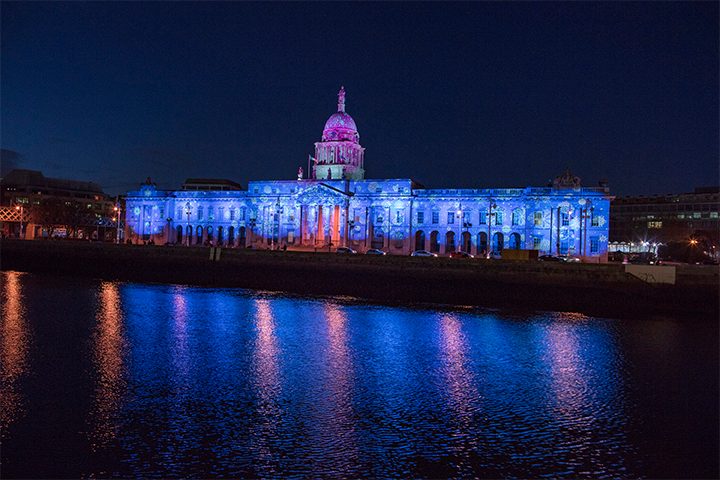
<point x="118" y="379"/>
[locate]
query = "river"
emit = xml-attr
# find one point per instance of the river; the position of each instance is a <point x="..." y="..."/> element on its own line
<point x="119" y="379"/>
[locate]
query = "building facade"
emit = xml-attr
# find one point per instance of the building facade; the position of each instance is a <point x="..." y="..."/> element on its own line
<point x="639" y="222"/>
<point x="337" y="206"/>
<point x="35" y="206"/>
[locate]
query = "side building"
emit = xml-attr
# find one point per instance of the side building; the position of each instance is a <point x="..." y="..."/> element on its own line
<point x="640" y="223"/>
<point x="35" y="206"/>
<point x="337" y="206"/>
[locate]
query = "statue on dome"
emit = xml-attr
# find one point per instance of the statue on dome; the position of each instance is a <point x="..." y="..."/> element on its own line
<point x="341" y="99"/>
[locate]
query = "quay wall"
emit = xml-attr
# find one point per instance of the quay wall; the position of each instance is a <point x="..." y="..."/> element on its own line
<point x="600" y="290"/>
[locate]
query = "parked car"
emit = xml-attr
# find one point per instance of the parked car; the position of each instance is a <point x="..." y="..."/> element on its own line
<point x="375" y="251"/>
<point x="423" y="253"/>
<point x="549" y="258"/>
<point x="569" y="259"/>
<point x="345" y="251"/>
<point x="461" y="255"/>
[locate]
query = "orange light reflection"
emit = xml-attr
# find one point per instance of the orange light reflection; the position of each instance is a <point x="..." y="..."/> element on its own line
<point x="14" y="339"/>
<point x="109" y="345"/>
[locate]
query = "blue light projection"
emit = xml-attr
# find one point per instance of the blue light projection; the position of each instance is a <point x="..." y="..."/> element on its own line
<point x="396" y="215"/>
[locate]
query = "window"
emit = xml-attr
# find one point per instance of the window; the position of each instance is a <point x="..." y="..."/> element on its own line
<point x="178" y="213"/>
<point x="594" y="221"/>
<point x="499" y="217"/>
<point x="200" y="213"/>
<point x="398" y="216"/>
<point x="516" y="216"/>
<point x="537" y="220"/>
<point x="696" y="214"/>
<point x="435" y="217"/>
<point x="483" y="218"/>
<point x="563" y="247"/>
<point x="420" y="217"/>
<point x="379" y="218"/>
<point x="713" y="214"/>
<point x="221" y="213"/>
<point x="654" y="224"/>
<point x="232" y="213"/>
<point x="594" y="245"/>
<point x="451" y="217"/>
<point x="242" y="214"/>
<point x="211" y="214"/>
<point x="565" y="219"/>
<point x="537" y="241"/>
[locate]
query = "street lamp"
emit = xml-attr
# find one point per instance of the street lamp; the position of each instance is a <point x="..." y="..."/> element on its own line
<point x="117" y="210"/>
<point x="21" y="208"/>
<point x="351" y="226"/>
<point x="489" y="223"/>
<point x="460" y="222"/>
<point x="188" y="233"/>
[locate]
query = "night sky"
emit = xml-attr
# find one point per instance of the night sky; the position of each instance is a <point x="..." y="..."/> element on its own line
<point x="452" y="95"/>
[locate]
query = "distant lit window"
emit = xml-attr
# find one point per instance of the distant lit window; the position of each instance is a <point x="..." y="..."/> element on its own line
<point x="680" y="215"/>
<point x="594" y="245"/>
<point x="420" y="217"/>
<point x="655" y="224"/>
<point x="713" y="214"/>
<point x="537" y="241"/>
<point x="435" y="217"/>
<point x="451" y="217"/>
<point x="696" y="214"/>
<point x="538" y="220"/>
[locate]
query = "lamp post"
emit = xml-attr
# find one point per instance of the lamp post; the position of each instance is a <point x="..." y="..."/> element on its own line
<point x="460" y="222"/>
<point x="279" y="211"/>
<point x="351" y="225"/>
<point x="489" y="223"/>
<point x="21" y="208"/>
<point x="188" y="233"/>
<point x="118" y="212"/>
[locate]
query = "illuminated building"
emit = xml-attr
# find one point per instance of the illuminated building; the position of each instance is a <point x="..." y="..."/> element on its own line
<point x="337" y="206"/>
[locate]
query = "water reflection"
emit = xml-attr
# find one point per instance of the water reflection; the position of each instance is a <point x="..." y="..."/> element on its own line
<point x="337" y="423"/>
<point x="267" y="387"/>
<point x="459" y="383"/>
<point x="181" y="357"/>
<point x="108" y="350"/>
<point x="14" y="339"/>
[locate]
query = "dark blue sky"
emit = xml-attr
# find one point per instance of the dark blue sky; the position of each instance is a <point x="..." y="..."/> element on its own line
<point x="466" y="95"/>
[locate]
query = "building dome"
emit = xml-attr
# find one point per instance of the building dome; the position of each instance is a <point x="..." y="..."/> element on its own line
<point x="340" y="126"/>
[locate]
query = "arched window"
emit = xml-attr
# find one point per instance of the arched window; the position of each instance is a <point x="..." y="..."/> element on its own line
<point x="179" y="234"/>
<point x="199" y="236"/>
<point x="200" y="213"/>
<point x="482" y="243"/>
<point x="449" y="242"/>
<point x="515" y="242"/>
<point x="231" y="235"/>
<point x="241" y="239"/>
<point x="466" y="242"/>
<point x="419" y="240"/>
<point x="209" y="231"/>
<point x="434" y="244"/>
<point x="220" y="236"/>
<point x="498" y="242"/>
